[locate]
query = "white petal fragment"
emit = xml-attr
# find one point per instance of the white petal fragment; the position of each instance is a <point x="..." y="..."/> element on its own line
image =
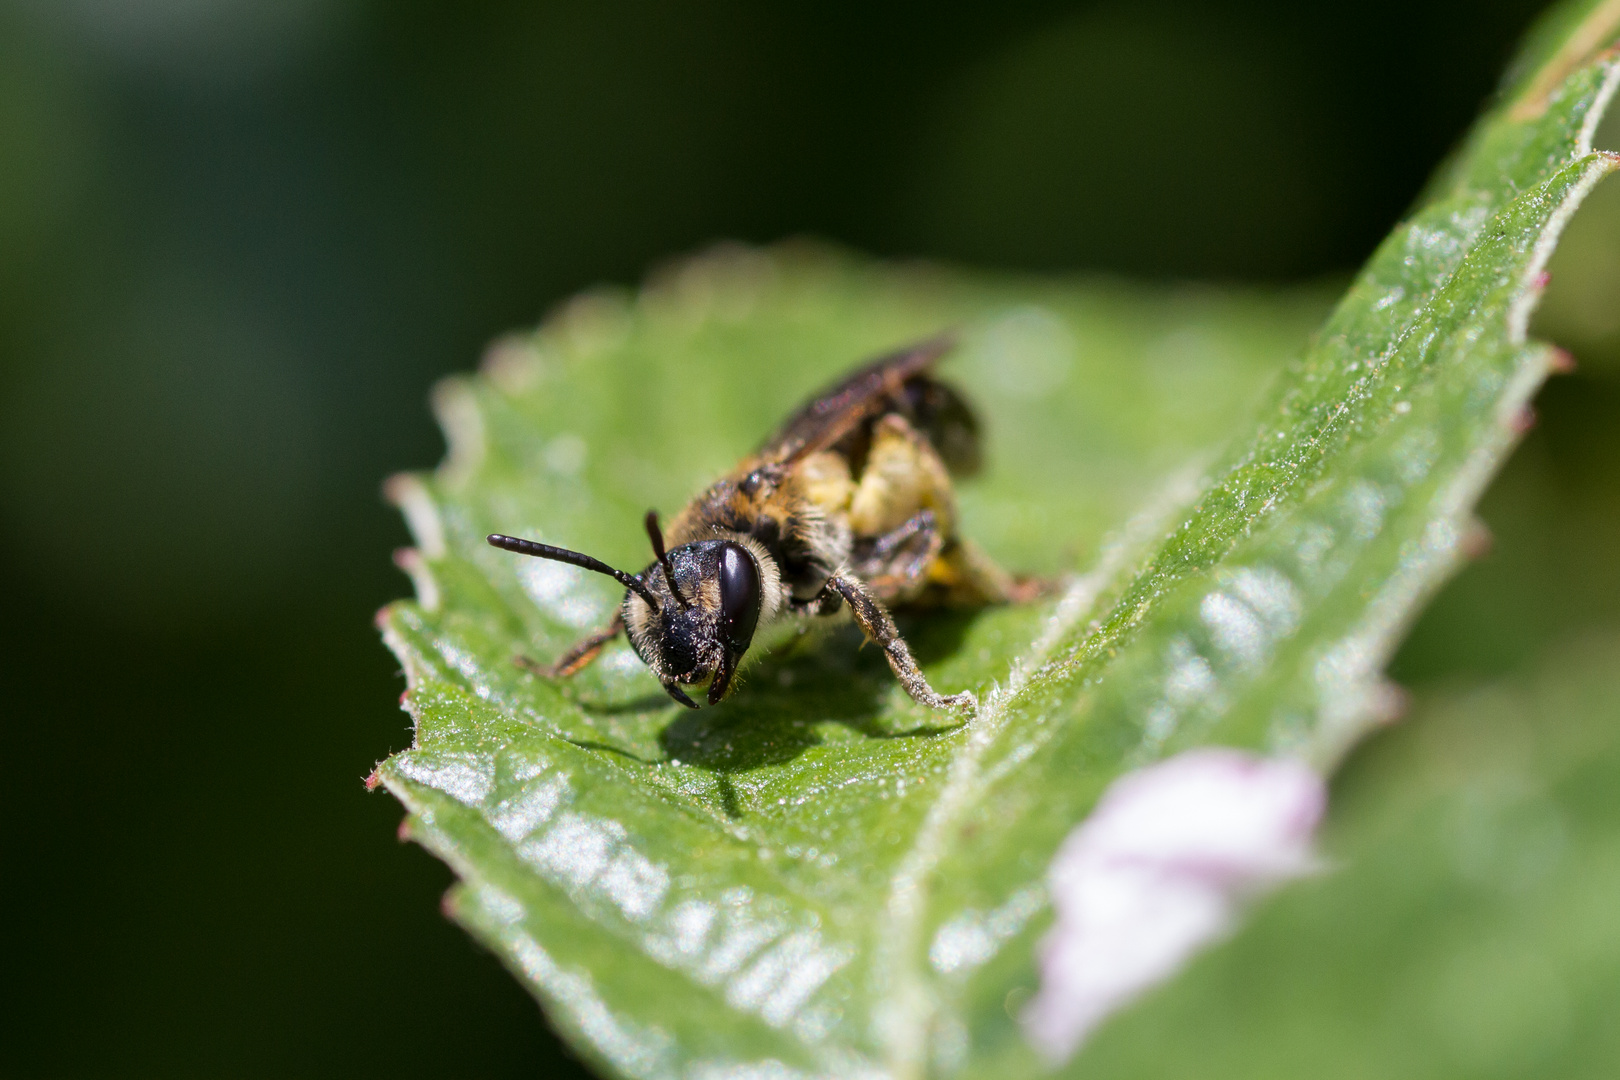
<point x="1157" y="871"/>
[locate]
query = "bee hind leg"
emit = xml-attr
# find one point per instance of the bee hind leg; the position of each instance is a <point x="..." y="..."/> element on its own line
<point x="874" y="619"/>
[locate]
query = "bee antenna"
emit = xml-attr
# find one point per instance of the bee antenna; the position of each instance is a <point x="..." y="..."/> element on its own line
<point x="656" y="535"/>
<point x="557" y="554"/>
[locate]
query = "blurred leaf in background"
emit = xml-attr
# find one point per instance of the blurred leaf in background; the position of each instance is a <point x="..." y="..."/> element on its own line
<point x="1200" y="114"/>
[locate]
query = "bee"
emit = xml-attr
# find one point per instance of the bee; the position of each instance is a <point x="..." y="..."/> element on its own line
<point x="848" y="507"/>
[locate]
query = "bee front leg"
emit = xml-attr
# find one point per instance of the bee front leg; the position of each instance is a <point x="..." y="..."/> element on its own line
<point x="580" y="655"/>
<point x="874" y="619"/>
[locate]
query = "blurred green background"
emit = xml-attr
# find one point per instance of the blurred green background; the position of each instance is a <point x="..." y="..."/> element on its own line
<point x="240" y="239"/>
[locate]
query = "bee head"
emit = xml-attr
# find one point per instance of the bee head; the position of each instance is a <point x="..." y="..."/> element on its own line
<point x="709" y="598"/>
<point x="691" y="614"/>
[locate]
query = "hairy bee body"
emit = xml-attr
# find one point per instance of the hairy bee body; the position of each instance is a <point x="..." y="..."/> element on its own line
<point x="848" y="506"/>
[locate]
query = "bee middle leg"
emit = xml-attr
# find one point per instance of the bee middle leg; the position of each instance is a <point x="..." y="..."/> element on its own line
<point x="874" y="619"/>
<point x="916" y="565"/>
<point x="895" y="565"/>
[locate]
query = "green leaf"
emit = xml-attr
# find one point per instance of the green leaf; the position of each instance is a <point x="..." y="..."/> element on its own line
<point x="760" y="884"/>
<point x="596" y="825"/>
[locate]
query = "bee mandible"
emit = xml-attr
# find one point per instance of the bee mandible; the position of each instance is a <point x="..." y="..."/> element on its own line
<point x="847" y="507"/>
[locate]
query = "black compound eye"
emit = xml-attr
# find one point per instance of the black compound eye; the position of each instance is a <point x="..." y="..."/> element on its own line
<point x="739" y="596"/>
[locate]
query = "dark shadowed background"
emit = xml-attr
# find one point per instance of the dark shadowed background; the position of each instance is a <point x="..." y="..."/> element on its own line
<point x="240" y="240"/>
